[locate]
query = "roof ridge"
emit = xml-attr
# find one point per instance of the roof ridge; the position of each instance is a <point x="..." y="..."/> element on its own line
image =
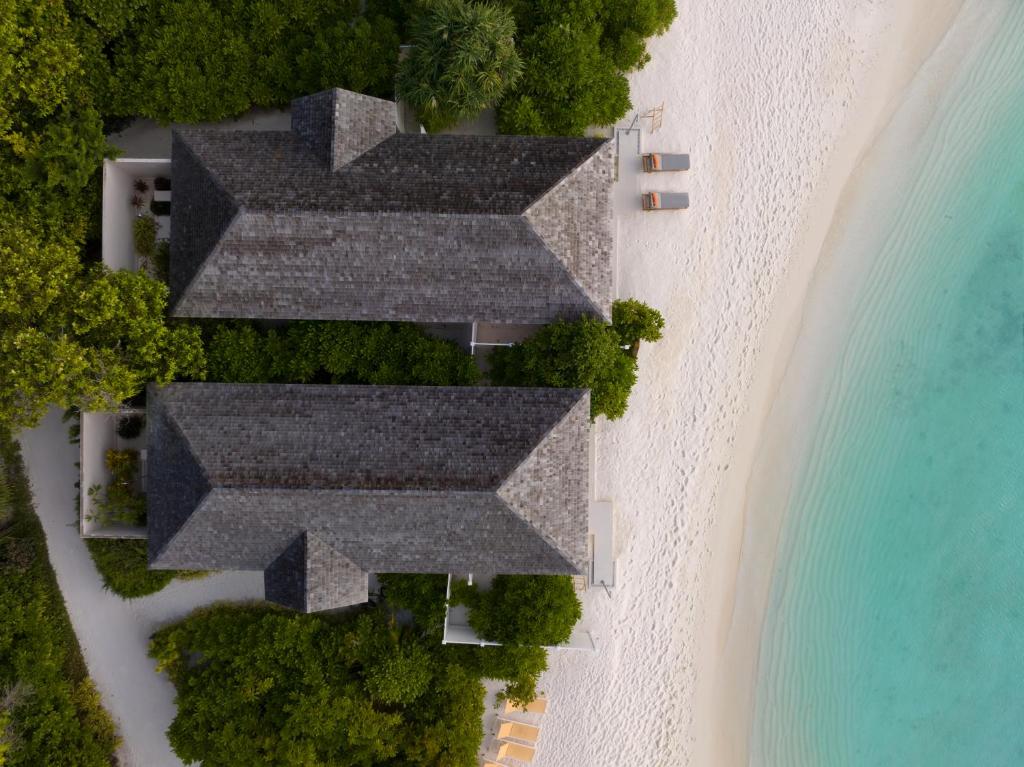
<point x="565" y="176"/>
<point x="581" y="400"/>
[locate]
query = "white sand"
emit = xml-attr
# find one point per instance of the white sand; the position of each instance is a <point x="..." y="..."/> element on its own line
<point x="776" y="101"/>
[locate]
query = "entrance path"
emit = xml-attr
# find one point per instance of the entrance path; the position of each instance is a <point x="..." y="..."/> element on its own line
<point x="114" y="632"/>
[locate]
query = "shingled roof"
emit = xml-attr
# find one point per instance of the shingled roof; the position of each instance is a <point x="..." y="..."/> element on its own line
<point x="341" y="218"/>
<point x="319" y="485"/>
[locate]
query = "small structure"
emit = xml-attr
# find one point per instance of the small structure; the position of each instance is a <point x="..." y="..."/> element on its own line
<point x="318" y="486"/>
<point x="343" y="218"/>
<point x="665" y="200"/>
<point x="663" y="162"/>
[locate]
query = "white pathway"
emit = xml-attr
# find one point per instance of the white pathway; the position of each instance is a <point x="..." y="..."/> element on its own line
<point x="114" y="633"/>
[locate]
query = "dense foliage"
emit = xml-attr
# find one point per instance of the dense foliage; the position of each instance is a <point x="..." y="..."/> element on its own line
<point x="576" y="55"/>
<point x="634" y="322"/>
<point x="587" y="354"/>
<point x="527" y="610"/>
<point x="123" y="565"/>
<point x="50" y="714"/>
<point x="277" y="688"/>
<point x="463" y="59"/>
<point x="421" y="595"/>
<point x="120" y="500"/>
<point x="204" y="60"/>
<point x="71" y="335"/>
<point x="338" y="352"/>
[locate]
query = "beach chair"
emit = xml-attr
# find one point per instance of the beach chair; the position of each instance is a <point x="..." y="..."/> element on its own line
<point x="517" y="731"/>
<point x="665" y="200"/>
<point x="537" y="706"/>
<point x="516" y="751"/>
<point x="657" y="162"/>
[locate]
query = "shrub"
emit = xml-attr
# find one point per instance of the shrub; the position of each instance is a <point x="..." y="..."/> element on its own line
<point x="160" y="207"/>
<point x="237" y="353"/>
<point x="161" y="261"/>
<point x="462" y="61"/>
<point x="55" y="717"/>
<point x="422" y="595"/>
<point x="131" y="426"/>
<point x="140" y="185"/>
<point x="124" y="567"/>
<point x="341" y="352"/>
<point x="120" y="501"/>
<point x="144" y="236"/>
<point x="525" y="610"/>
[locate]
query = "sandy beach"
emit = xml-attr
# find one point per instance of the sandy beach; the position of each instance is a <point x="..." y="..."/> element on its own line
<point x="777" y="103"/>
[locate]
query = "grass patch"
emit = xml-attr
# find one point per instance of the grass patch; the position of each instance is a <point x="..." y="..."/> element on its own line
<point x="51" y="712"/>
<point x="124" y="568"/>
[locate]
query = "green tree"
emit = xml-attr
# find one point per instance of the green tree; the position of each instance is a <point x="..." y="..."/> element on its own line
<point x="75" y="336"/>
<point x="422" y="595"/>
<point x="463" y="60"/>
<point x="51" y="136"/>
<point x="585" y="354"/>
<point x="576" y="56"/>
<point x="237" y="353"/>
<point x="532" y="610"/>
<point x="279" y="688"/>
<point x="635" y="321"/>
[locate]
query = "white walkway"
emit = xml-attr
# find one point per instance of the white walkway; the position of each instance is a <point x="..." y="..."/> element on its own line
<point x="114" y="633"/>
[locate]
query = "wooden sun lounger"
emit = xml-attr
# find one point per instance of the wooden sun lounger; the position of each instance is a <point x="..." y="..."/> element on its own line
<point x="538" y="706"/>
<point x="516" y="751"/>
<point x="665" y="200"/>
<point x="518" y="731"/>
<point x="658" y="162"/>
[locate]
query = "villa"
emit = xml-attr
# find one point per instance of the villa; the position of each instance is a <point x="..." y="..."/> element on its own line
<point x="343" y="218"/>
<point x="320" y="485"/>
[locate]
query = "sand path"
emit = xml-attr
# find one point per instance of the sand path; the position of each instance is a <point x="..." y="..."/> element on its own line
<point x="114" y="632"/>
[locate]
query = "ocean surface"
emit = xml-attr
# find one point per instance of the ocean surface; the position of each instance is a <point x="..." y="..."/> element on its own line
<point x="894" y="633"/>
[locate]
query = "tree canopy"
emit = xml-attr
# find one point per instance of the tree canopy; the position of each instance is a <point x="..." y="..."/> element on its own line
<point x="203" y="60"/>
<point x="587" y="353"/>
<point x="463" y="60"/>
<point x="71" y="335"/>
<point x="576" y="57"/>
<point x="532" y="610"/>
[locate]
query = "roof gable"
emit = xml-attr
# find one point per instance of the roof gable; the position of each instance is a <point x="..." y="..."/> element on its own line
<point x="339" y="125"/>
<point x="574" y="219"/>
<point x="553" y="479"/>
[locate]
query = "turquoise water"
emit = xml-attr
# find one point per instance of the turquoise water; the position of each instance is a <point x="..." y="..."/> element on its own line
<point x="895" y="627"/>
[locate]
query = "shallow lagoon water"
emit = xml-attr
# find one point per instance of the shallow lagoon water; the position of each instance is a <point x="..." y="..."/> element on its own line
<point x="894" y="633"/>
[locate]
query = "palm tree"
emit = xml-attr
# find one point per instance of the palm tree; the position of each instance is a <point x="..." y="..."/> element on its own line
<point x="462" y="61"/>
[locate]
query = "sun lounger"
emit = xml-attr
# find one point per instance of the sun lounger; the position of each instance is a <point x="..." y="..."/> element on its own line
<point x="657" y="162"/>
<point x="665" y="200"/>
<point x="537" y="706"/>
<point x="516" y="751"/>
<point x="518" y="731"/>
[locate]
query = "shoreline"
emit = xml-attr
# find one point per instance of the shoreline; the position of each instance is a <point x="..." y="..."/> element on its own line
<point x="744" y="547"/>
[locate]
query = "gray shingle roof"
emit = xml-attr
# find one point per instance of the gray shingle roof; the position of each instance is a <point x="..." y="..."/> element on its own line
<point x="319" y="485"/>
<point x="443" y="228"/>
